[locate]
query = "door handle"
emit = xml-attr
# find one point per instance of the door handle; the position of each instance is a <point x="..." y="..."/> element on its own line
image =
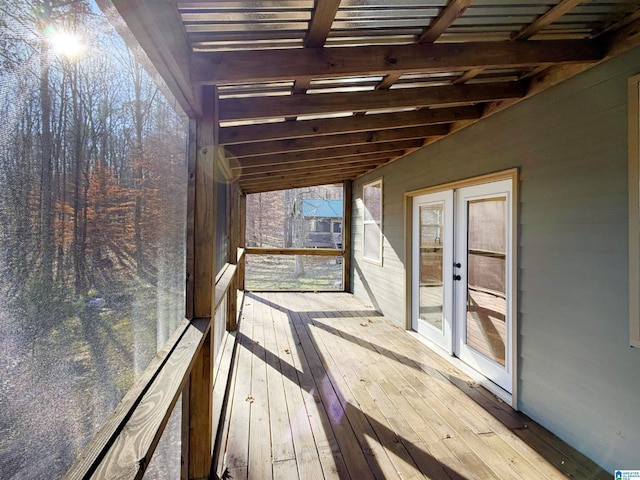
<point x="457" y="277"/>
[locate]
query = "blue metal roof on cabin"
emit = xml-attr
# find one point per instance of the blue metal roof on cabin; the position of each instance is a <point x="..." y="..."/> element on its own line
<point x="319" y="207"/>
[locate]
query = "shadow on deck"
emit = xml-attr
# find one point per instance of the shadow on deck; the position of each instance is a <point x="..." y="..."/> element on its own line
<point x="322" y="386"/>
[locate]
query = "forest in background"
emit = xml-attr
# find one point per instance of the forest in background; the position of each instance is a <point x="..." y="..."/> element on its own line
<point x="275" y="220"/>
<point x="92" y="224"/>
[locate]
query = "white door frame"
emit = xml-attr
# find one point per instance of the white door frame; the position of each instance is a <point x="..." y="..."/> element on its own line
<point x="511" y="175"/>
<point x="491" y="369"/>
<point x="443" y="338"/>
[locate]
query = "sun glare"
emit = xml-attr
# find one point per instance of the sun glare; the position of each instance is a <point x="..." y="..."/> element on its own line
<point x="66" y="44"/>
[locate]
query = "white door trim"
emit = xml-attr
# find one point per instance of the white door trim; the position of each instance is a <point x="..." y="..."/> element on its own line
<point x="512" y="175"/>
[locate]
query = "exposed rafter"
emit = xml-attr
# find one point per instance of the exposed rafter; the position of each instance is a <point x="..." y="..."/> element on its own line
<point x="328" y="141"/>
<point x="447" y="16"/>
<point x="275" y="107"/>
<point x="548" y="18"/>
<point x="285" y="182"/>
<point x="324" y="162"/>
<point x="325" y="167"/>
<point x="325" y="153"/>
<point x="321" y="21"/>
<point x="267" y="65"/>
<point x="312" y="128"/>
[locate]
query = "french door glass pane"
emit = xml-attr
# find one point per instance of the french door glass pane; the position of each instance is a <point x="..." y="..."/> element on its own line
<point x="431" y="263"/>
<point x="486" y="292"/>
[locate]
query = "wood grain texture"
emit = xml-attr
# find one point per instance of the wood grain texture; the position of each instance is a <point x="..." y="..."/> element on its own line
<point x="273" y="107"/>
<point x="325" y="252"/>
<point x="546" y="19"/>
<point x="267" y="65"/>
<point x="224" y="283"/>
<point x="321" y="21"/>
<point x="364" y="399"/>
<point x="204" y="222"/>
<point x="190" y="274"/>
<point x="347" y="195"/>
<point x="311" y="128"/>
<point x="371" y="158"/>
<point x="130" y="452"/>
<point x="338" y="140"/>
<point x="325" y="153"/>
<point x="313" y="167"/>
<point x="85" y="465"/>
<point x="201" y="411"/>
<point x="445" y="18"/>
<point x="242" y="240"/>
<point x="285" y="182"/>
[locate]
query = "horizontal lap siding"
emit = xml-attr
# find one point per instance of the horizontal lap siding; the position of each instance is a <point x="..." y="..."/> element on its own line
<point x="577" y="374"/>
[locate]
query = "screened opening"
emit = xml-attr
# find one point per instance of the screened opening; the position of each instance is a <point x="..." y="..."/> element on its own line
<point x="92" y="232"/>
<point x="303" y="218"/>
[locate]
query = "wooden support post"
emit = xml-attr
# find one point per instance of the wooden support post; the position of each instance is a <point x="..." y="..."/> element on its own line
<point x="191" y="208"/>
<point x="234" y="235"/>
<point x="197" y="445"/>
<point x="346" y="234"/>
<point x="201" y="412"/>
<point x="204" y="208"/>
<point x="242" y="237"/>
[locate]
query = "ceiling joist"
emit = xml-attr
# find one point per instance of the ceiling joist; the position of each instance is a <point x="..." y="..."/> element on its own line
<point x="326" y="153"/>
<point x="279" y="107"/>
<point x="352" y="124"/>
<point x="289" y="64"/>
<point x="447" y="16"/>
<point x="342" y="140"/>
<point x="311" y="169"/>
<point x="316" y="163"/>
<point x="321" y="22"/>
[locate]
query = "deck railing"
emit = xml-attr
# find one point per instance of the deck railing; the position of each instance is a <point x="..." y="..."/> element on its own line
<point x="316" y="252"/>
<point x="124" y="445"/>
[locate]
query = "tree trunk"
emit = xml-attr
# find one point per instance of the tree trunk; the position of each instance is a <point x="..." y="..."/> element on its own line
<point x="47" y="248"/>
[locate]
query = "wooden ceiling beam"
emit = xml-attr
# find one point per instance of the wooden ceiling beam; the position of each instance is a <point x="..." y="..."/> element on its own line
<point x="546" y="19"/>
<point x="324" y="162"/>
<point x="342" y="140"/>
<point x="321" y="21"/>
<point x="325" y="153"/>
<point x="295" y="105"/>
<point x="267" y="65"/>
<point x="468" y="75"/>
<point x="158" y="29"/>
<point x="285" y="182"/>
<point x="310" y="128"/>
<point x="319" y="166"/>
<point x="447" y="16"/>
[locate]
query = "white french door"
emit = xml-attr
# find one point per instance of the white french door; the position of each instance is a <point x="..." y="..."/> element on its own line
<point x="462" y="254"/>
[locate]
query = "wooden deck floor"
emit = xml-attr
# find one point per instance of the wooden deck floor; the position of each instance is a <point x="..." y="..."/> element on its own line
<point x="324" y="387"/>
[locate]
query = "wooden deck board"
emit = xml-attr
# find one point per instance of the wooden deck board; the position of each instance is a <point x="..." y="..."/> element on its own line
<point x="337" y="391"/>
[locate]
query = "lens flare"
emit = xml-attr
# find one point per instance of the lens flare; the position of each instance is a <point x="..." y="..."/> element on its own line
<point x="66" y="44"/>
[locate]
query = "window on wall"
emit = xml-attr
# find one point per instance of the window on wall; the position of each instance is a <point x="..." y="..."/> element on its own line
<point x="634" y="210"/>
<point x="372" y="221"/>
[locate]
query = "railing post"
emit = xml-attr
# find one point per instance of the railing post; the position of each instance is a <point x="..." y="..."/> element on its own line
<point x="242" y="238"/>
<point x="201" y="226"/>
<point x="201" y="412"/>
<point x="234" y="235"/>
<point x="346" y="235"/>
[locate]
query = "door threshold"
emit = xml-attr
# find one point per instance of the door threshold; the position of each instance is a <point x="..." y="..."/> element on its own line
<point x="456" y="362"/>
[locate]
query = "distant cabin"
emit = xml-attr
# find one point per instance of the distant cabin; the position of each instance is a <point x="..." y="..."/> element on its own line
<point x="322" y="222"/>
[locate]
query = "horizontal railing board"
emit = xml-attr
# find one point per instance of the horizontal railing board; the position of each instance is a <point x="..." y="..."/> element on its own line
<point x="98" y="448"/>
<point x="326" y="252"/>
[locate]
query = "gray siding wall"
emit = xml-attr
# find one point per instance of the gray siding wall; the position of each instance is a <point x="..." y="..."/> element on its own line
<point x="577" y="374"/>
